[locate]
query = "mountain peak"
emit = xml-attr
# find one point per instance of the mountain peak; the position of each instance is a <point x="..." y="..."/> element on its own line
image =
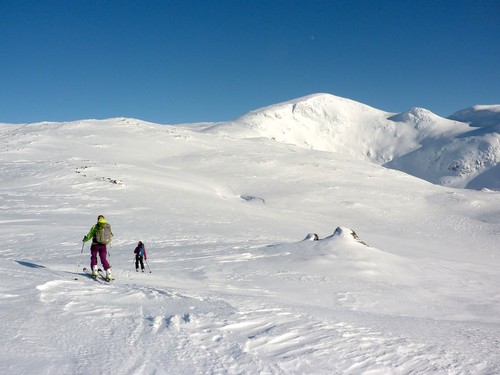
<point x="315" y="104"/>
<point x="416" y="141"/>
<point x="479" y="115"/>
<point x="415" y="115"/>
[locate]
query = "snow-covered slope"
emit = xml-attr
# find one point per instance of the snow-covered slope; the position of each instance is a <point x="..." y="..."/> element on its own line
<point x="328" y="123"/>
<point x="443" y="151"/>
<point x="479" y="115"/>
<point x="234" y="288"/>
<point x="469" y="160"/>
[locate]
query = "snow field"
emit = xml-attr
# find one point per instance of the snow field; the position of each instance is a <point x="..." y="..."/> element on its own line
<point x="234" y="287"/>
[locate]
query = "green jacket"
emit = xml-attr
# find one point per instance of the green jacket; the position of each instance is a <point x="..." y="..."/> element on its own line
<point x="101" y="223"/>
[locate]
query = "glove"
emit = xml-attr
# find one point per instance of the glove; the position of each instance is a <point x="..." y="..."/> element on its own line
<point x="83" y="240"/>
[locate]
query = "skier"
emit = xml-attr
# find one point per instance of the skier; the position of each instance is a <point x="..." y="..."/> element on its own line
<point x="140" y="256"/>
<point x="101" y="235"/>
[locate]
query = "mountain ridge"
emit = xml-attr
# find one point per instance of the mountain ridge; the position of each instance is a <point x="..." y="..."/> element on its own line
<point x="454" y="151"/>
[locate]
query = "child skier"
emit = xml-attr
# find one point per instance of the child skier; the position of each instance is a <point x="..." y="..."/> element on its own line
<point x="140" y="256"/>
<point x="101" y="236"/>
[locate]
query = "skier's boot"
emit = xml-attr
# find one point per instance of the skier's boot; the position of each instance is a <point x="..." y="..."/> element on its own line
<point x="94" y="271"/>
<point x="108" y="275"/>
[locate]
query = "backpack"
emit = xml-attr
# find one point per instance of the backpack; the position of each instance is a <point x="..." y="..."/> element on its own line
<point x="140" y="250"/>
<point x="103" y="234"/>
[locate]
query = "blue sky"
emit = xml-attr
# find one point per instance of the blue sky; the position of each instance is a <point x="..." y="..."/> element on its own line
<point x="189" y="61"/>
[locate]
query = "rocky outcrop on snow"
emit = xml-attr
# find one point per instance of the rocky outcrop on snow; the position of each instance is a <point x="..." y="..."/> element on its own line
<point x="340" y="233"/>
<point x="311" y="237"/>
<point x="346" y="233"/>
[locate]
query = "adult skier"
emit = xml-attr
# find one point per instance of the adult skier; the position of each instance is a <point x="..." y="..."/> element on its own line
<point x="140" y="256"/>
<point x="101" y="235"/>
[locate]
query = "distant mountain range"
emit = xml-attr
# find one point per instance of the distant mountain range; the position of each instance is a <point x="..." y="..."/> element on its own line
<point x="461" y="151"/>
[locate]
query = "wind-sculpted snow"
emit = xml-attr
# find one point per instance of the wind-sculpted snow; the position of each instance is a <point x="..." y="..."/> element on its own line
<point x="265" y="257"/>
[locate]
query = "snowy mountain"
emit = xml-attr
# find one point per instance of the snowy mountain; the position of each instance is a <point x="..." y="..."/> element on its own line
<point x="278" y="243"/>
<point x="479" y="115"/>
<point x="418" y="142"/>
<point x="470" y="159"/>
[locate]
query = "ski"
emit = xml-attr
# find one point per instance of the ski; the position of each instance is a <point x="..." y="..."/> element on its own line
<point x="87" y="273"/>
<point x="103" y="276"/>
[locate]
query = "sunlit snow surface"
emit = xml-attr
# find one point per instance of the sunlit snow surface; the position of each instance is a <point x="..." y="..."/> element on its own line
<point x="235" y="287"/>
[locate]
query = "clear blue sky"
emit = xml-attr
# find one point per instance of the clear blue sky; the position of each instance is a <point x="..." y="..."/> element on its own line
<point x="188" y="61"/>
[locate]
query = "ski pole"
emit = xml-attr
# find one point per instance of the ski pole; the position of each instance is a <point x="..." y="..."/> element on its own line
<point x="147" y="264"/>
<point x="79" y="261"/>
